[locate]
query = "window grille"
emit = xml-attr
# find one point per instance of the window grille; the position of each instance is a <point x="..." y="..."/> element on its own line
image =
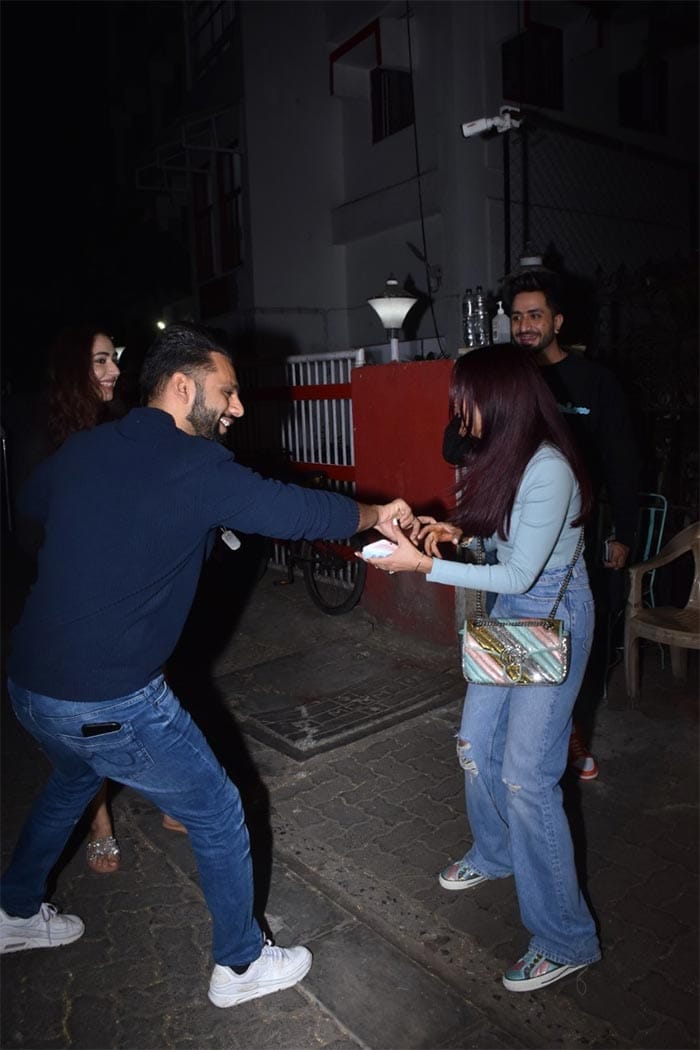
<point x="203" y="219"/>
<point x="208" y="22"/>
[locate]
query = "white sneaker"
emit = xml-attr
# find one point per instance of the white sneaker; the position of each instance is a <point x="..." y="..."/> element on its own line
<point x="46" y="929"/>
<point x="273" y="970"/>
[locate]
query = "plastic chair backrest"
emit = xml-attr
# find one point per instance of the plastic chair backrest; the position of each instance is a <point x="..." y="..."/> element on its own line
<point x="653" y="508"/>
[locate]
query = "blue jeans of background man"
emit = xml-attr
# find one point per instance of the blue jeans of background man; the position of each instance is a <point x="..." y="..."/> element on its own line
<point x="513" y="745"/>
<point x="160" y="752"/>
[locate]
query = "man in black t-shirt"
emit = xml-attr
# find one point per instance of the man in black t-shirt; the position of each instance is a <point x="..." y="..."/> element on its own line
<point x="594" y="405"/>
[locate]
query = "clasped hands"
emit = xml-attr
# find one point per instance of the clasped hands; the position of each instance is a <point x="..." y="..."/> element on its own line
<point x="417" y="542"/>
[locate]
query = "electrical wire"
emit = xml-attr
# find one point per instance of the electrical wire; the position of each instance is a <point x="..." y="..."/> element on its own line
<point x="418" y="183"/>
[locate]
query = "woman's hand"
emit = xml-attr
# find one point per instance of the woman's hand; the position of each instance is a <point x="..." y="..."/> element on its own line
<point x="418" y="522"/>
<point x="406" y="558"/>
<point x="435" y="532"/>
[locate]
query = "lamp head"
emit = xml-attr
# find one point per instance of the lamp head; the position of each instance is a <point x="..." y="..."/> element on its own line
<point x="393" y="305"/>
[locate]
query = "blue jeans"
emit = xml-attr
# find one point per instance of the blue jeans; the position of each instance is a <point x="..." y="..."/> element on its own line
<point x="513" y="745"/>
<point x="160" y="752"/>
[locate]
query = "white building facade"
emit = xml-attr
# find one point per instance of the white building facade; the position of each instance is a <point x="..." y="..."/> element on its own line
<point x="319" y="149"/>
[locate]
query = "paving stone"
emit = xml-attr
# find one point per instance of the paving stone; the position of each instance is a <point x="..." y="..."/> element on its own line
<point x="678" y="1002"/>
<point x="396" y="838"/>
<point x="608" y="883"/>
<point x="448" y="790"/>
<point x="667" y="1034"/>
<point x="681" y="956"/>
<point x="607" y="999"/>
<point x="679" y="853"/>
<point x="355" y="773"/>
<point x="684" y="907"/>
<point x="385" y="813"/>
<point x="303" y="816"/>
<point x="298" y="913"/>
<point x="409" y="1008"/>
<point x="30" y="1020"/>
<point x="643" y="916"/>
<point x="484" y="927"/>
<point x="642" y="858"/>
<point x="668" y="883"/>
<point x="343" y="814"/>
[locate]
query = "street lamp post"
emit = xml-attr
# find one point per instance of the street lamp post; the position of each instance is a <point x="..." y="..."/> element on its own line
<point x="391" y="307"/>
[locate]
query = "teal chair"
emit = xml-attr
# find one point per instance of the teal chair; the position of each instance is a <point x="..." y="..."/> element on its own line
<point x="651" y="525"/>
<point x="653" y="511"/>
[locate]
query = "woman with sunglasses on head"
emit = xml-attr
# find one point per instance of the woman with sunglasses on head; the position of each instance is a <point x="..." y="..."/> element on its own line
<point x="522" y="489"/>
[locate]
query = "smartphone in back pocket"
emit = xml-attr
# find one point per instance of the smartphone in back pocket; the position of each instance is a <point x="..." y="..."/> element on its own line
<point x="100" y="728"/>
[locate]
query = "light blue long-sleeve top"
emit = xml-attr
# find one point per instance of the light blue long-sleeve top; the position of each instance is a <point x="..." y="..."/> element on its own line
<point x="540" y="537"/>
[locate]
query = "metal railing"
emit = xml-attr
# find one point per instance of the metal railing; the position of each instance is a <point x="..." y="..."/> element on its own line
<point x="301" y="409"/>
<point x="299" y="415"/>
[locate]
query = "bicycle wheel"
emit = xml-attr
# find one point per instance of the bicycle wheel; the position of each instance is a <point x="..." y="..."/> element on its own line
<point x="334" y="577"/>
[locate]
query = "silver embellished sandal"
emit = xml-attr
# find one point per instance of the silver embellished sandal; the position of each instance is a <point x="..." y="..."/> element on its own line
<point x="106" y="848"/>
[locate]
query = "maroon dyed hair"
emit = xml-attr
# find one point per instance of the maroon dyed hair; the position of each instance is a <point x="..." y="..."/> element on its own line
<point x="75" y="402"/>
<point x="518" y="414"/>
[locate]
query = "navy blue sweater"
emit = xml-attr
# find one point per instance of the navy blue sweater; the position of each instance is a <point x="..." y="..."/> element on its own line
<point x="128" y="509"/>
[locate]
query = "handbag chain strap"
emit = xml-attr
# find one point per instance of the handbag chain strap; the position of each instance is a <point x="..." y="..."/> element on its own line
<point x="481" y="559"/>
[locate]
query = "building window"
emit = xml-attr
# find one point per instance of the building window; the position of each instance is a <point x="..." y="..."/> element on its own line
<point x="230" y="217"/>
<point x="533" y="67"/>
<point x="643" y="98"/>
<point x="203" y="224"/>
<point x="208" y="21"/>
<point x="392" y="102"/>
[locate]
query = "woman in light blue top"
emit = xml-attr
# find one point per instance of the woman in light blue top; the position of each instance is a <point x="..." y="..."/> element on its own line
<point x="524" y="490"/>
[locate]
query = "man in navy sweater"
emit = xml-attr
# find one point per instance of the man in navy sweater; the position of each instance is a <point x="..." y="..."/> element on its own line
<point x="128" y="510"/>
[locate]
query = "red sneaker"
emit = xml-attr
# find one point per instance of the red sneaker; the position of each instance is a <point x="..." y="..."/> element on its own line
<point x="580" y="759"/>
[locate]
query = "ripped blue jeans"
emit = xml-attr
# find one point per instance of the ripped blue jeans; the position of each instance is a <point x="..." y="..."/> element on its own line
<point x="513" y="745"/>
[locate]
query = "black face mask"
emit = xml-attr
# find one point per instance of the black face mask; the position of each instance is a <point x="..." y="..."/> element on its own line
<point x="455" y="446"/>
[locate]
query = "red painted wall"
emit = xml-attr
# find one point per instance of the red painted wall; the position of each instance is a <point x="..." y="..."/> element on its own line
<point x="399" y="414"/>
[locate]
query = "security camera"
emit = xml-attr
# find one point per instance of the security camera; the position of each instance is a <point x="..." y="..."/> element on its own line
<point x="476" y="127"/>
<point x="507" y="118"/>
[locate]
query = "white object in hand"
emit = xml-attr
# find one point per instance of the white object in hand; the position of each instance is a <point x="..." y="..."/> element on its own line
<point x="379" y="549"/>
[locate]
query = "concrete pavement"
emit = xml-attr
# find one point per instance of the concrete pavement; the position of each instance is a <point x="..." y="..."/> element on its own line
<point x="347" y="844"/>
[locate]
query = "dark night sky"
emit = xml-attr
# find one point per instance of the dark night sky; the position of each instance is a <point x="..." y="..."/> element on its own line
<point x="55" y="147"/>
<point x="76" y="246"/>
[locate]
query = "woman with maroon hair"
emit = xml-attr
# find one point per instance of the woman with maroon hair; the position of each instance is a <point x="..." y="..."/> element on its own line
<point x="524" y="491"/>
